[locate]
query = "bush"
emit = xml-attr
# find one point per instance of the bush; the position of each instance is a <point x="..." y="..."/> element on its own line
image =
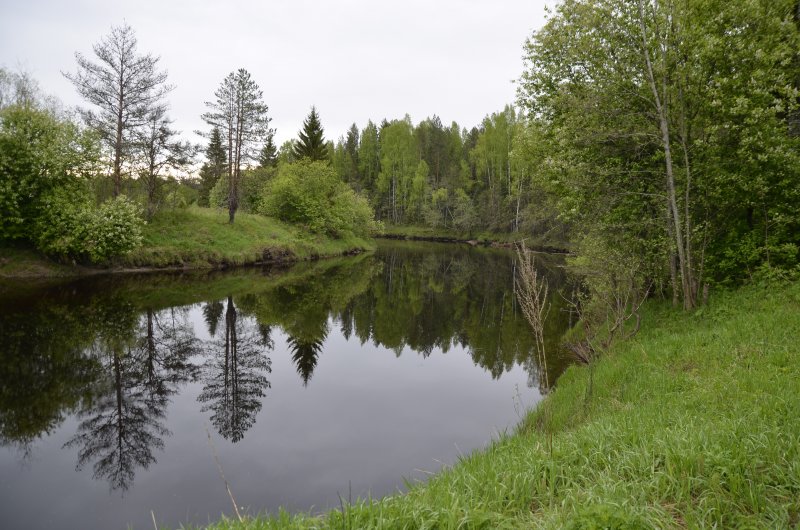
<point x="218" y="196"/>
<point x="39" y="152"/>
<point x="70" y="227"/>
<point x="311" y="194"/>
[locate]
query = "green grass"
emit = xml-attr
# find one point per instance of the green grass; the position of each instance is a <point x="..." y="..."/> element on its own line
<point x="694" y="423"/>
<point x="198" y="238"/>
<point x="28" y="263"/>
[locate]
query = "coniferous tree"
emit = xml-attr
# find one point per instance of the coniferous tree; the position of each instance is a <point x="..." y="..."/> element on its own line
<point x="268" y="157"/>
<point x="215" y="166"/>
<point x="125" y="87"/>
<point x="312" y="143"/>
<point x="241" y="115"/>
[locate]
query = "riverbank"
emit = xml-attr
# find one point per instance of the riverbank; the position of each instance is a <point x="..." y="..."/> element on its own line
<point x="196" y="238"/>
<point x="693" y="423"/>
<point x="484" y="238"/>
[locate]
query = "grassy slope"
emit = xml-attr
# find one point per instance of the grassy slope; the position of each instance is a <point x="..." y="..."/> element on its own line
<point x="28" y="263"/>
<point x="694" y="423"/>
<point x="199" y="237"/>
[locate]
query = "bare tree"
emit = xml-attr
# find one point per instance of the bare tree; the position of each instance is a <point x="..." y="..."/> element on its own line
<point x="531" y="290"/>
<point x="124" y="86"/>
<point x="159" y="150"/>
<point x="241" y="116"/>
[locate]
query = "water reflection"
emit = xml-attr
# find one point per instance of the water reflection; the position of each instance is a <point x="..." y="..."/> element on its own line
<point x="114" y="352"/>
<point x="143" y="361"/>
<point x="45" y="369"/>
<point x="234" y="376"/>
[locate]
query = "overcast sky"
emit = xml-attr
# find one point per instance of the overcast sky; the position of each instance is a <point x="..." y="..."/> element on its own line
<point x="354" y="59"/>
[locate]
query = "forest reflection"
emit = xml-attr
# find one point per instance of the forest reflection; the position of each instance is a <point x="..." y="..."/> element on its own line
<point x="113" y="352"/>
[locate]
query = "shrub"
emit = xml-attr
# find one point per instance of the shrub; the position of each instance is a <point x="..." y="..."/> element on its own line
<point x="311" y="194"/>
<point x="39" y="152"/>
<point x="70" y="227"/>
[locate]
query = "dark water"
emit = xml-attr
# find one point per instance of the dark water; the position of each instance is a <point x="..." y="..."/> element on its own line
<point x="337" y="378"/>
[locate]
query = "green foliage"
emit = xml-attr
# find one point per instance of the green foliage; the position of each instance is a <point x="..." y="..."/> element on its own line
<point x="218" y="196"/>
<point x="214" y="168"/>
<point x="606" y="129"/>
<point x="71" y="227"/>
<point x="268" y="157"/>
<point x="39" y="152"/>
<point x="310" y="193"/>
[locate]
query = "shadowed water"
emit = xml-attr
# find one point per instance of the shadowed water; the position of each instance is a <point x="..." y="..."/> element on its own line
<point x="336" y="378"/>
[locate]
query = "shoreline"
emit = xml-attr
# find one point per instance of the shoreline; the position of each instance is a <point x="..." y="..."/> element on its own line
<point x="484" y="242"/>
<point x="42" y="268"/>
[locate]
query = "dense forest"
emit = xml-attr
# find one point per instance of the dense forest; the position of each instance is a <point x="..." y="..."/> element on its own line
<point x="660" y="141"/>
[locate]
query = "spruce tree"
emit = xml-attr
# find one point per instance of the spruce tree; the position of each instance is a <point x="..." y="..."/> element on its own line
<point x="215" y="166"/>
<point x="311" y="145"/>
<point x="268" y="157"/>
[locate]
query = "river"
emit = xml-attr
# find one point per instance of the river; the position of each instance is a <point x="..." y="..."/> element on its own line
<point x="123" y="396"/>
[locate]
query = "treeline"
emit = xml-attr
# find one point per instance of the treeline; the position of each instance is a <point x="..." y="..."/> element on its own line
<point x="445" y="176"/>
<point x="666" y="134"/>
<point x="428" y="174"/>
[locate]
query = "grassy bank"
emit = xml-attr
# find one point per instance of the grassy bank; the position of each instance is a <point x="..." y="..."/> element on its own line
<point x="693" y="423"/>
<point x="198" y="238"/>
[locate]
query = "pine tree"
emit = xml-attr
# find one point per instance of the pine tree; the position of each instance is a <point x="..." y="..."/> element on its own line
<point x="311" y="144"/>
<point x="125" y="87"/>
<point x="241" y="115"/>
<point x="268" y="157"/>
<point x="215" y="166"/>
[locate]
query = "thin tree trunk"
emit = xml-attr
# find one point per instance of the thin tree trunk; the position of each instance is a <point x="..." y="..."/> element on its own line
<point x="687" y="212"/>
<point x="118" y="146"/>
<point x="663" y="122"/>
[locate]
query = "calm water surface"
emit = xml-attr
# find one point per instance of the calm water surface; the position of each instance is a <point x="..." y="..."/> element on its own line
<point x="341" y="377"/>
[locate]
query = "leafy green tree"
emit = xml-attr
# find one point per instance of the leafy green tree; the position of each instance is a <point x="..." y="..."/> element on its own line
<point x="351" y="172"/>
<point x="39" y="153"/>
<point x="286" y="152"/>
<point x="311" y="143"/>
<point x="369" y="156"/>
<point x="311" y="193"/>
<point x="399" y="162"/>
<point x="214" y="167"/>
<point x="667" y="134"/>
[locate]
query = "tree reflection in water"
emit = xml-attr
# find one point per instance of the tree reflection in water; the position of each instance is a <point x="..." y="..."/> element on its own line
<point x="143" y="364"/>
<point x="305" y="355"/>
<point x="234" y="378"/>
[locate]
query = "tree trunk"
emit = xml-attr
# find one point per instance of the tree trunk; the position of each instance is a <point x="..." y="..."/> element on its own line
<point x="662" y="113"/>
